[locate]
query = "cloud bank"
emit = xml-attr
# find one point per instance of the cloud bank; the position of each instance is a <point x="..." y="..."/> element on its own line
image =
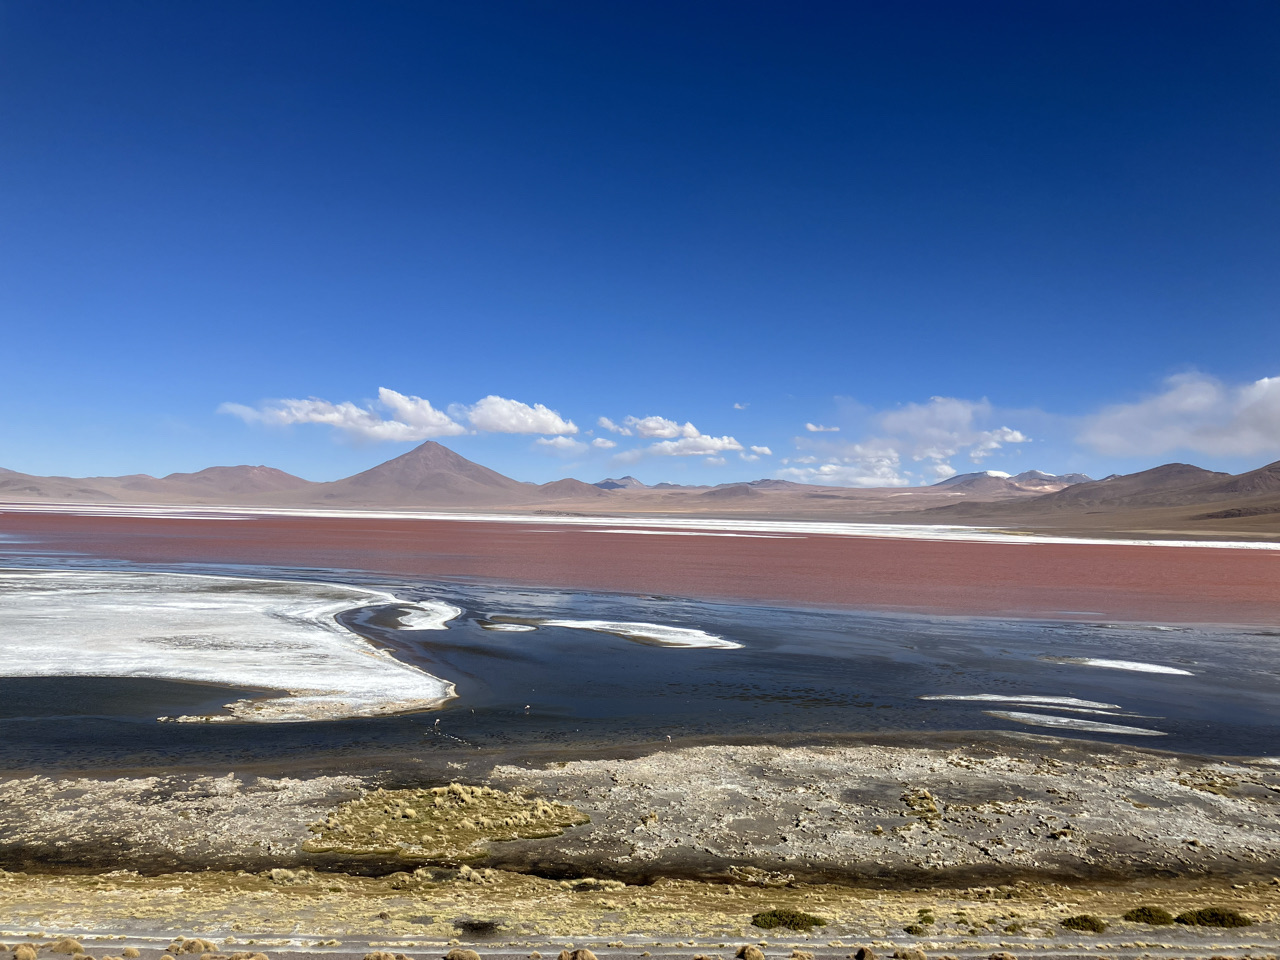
<point x="1193" y="412"/>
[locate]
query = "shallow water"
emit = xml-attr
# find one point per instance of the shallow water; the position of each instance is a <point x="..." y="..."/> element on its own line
<point x="796" y="671"/>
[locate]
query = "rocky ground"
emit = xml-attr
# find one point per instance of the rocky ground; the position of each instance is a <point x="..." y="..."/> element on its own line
<point x="956" y="845"/>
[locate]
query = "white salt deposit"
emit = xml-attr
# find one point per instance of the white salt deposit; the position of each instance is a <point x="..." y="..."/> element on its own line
<point x="509" y="627"/>
<point x="270" y="634"/>
<point x="897" y="531"/>
<point x="1135" y="665"/>
<point x="651" y="632"/>
<point x="1071" y="723"/>
<point x="429" y="615"/>
<point x="1027" y="698"/>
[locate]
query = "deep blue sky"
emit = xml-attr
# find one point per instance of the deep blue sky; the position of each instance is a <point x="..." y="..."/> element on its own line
<point x="827" y="212"/>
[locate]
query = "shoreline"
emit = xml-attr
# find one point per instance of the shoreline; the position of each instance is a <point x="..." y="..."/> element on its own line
<point x="659" y="524"/>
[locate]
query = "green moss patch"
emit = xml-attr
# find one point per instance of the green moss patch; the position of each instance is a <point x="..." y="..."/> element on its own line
<point x="447" y="823"/>
<point x="787" y="917"/>
<point x="1154" y="916"/>
<point x="1085" y="922"/>
<point x="1213" y="917"/>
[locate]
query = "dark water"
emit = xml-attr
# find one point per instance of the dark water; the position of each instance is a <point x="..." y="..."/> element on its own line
<point x="799" y="672"/>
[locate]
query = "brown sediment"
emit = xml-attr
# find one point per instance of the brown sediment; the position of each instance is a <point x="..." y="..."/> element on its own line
<point x="1115" y="581"/>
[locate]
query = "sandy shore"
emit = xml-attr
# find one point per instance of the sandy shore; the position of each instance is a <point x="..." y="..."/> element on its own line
<point x="1114" y="581"/>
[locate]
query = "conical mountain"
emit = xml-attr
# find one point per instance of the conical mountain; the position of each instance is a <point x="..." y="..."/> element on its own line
<point x="428" y="475"/>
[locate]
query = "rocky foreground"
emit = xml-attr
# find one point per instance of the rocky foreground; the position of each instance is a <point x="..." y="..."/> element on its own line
<point x="956" y="845"/>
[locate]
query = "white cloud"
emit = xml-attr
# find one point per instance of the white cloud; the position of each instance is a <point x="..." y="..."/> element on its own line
<point x="762" y="451"/>
<point x="1194" y="412"/>
<point x="693" y="446"/>
<point x="661" y="428"/>
<point x="862" y="466"/>
<point x="603" y="443"/>
<point x="610" y="425"/>
<point x="561" y="444"/>
<point x="741" y="406"/>
<point x="929" y="434"/>
<point x="715" y="461"/>
<point x="686" y="441"/>
<point x="500" y="415"/>
<point x="413" y="418"/>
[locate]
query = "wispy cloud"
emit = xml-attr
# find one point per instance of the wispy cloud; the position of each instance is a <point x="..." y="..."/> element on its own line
<point x="928" y="434"/>
<point x="563" y="445"/>
<point x="603" y="443"/>
<point x="857" y="466"/>
<point x="1193" y="412"/>
<point x="608" y="424"/>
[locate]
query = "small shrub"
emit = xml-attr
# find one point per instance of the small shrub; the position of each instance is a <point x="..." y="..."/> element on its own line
<point x="1213" y="917"/>
<point x="67" y="945"/>
<point x="787" y="917"/>
<point x="1153" y="916"/>
<point x="915" y="929"/>
<point x="1086" y="922"/>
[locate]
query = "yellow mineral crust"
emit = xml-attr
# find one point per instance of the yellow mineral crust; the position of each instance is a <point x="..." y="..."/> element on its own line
<point x="442" y="823"/>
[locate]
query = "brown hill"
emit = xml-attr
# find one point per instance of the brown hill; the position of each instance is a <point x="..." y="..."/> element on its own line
<point x="733" y="491"/>
<point x="1256" y="482"/>
<point x="569" y="488"/>
<point x="235" y="481"/>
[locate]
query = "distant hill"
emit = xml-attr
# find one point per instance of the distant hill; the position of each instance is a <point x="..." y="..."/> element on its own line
<point x="1174" y="497"/>
<point x="997" y="483"/>
<point x="620" y="483"/>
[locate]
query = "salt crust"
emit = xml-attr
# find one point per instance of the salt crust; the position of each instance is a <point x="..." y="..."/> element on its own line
<point x="1071" y="723"/>
<point x="1026" y="698"/>
<point x="1135" y="665"/>
<point x="687" y="637"/>
<point x="429" y="615"/>
<point x="277" y="635"/>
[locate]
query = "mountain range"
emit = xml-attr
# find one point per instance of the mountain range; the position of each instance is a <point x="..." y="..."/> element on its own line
<point x="1174" y="497"/>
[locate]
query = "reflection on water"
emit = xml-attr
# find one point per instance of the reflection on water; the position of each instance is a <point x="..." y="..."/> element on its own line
<point x="797" y="671"/>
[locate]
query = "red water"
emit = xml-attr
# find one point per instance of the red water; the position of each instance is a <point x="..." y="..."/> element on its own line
<point x="1171" y="584"/>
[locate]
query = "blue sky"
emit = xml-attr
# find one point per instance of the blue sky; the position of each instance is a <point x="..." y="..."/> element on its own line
<point x="969" y="236"/>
